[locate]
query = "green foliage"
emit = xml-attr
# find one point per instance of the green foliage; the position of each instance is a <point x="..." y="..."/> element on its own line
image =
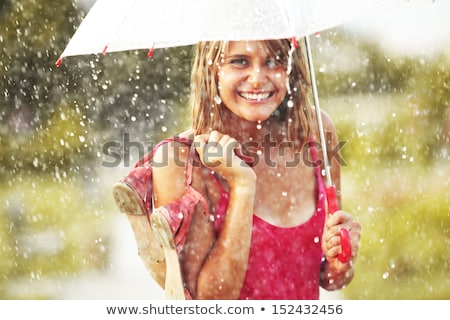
<point x="405" y="237"/>
<point x="397" y="181"/>
<point x="62" y="143"/>
<point x="46" y="230"/>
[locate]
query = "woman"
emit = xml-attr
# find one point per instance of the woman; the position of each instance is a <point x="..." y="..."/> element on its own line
<point x="258" y="227"/>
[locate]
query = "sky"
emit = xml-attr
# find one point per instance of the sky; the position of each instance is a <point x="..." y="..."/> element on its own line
<point x="422" y="29"/>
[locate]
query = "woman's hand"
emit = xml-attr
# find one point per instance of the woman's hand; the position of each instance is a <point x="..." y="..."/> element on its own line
<point x="337" y="274"/>
<point x="220" y="153"/>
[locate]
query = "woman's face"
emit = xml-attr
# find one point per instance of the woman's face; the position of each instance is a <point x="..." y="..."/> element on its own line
<point x="252" y="83"/>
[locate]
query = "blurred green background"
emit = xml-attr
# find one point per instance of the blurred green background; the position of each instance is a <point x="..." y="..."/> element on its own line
<point x="56" y="207"/>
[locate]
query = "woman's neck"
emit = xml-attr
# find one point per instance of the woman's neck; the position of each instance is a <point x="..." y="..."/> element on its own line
<point x="256" y="135"/>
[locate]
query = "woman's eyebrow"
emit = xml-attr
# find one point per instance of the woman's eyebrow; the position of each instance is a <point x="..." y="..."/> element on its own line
<point x="236" y="56"/>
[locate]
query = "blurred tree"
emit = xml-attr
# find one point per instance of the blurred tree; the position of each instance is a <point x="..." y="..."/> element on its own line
<point x="53" y="122"/>
<point x="393" y="112"/>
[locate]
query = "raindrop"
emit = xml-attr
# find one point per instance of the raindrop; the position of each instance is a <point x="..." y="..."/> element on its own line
<point x="316" y="239"/>
<point x="290" y="103"/>
<point x="217" y="99"/>
<point x="385" y="275"/>
<point x="284" y="193"/>
<point x="359" y="130"/>
<point x="164" y="129"/>
<point x="258" y="125"/>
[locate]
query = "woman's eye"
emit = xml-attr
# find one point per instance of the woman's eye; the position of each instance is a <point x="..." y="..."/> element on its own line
<point x="272" y="63"/>
<point x="239" y="62"/>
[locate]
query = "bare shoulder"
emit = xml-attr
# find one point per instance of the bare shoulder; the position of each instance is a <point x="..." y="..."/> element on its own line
<point x="327" y="122"/>
<point x="169" y="172"/>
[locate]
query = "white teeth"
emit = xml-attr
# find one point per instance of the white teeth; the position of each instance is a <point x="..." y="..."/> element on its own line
<point x="255" y="96"/>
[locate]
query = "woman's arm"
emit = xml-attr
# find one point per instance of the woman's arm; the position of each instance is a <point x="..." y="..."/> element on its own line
<point x="213" y="268"/>
<point x="223" y="272"/>
<point x="335" y="274"/>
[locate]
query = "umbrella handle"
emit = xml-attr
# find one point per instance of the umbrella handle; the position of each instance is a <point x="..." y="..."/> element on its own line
<point x="346" y="244"/>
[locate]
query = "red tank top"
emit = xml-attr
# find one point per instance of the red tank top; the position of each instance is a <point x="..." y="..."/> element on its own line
<point x="284" y="262"/>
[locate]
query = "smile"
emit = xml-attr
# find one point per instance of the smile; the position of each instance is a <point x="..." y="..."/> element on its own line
<point x="256" y="96"/>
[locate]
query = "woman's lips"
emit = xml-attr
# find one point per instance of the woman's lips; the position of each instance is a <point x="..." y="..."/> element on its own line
<point x="255" y="96"/>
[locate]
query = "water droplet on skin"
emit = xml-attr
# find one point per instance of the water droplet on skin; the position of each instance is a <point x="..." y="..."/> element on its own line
<point x="284" y="193"/>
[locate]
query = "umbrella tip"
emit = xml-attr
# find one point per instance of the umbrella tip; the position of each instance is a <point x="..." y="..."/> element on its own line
<point x="58" y="62"/>
<point x="150" y="53"/>
<point x="294" y="43"/>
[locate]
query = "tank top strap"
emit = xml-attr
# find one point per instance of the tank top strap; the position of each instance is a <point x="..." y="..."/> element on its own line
<point x="312" y="147"/>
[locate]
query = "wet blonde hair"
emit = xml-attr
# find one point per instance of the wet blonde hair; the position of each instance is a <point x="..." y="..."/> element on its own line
<point x="207" y="108"/>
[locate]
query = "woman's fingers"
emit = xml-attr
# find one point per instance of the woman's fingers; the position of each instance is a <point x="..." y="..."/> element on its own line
<point x="332" y="245"/>
<point x="216" y="148"/>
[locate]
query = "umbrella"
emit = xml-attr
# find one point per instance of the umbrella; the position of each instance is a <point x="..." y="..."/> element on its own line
<point x="117" y="25"/>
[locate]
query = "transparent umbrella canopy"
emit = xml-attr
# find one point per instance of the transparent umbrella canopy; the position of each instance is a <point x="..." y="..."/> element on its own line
<point x="117" y="25"/>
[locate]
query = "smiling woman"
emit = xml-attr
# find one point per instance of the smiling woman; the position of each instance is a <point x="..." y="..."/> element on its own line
<point x="231" y="224"/>
<point x="252" y="83"/>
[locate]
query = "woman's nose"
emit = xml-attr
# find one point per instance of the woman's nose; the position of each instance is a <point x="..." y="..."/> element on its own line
<point x="257" y="76"/>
